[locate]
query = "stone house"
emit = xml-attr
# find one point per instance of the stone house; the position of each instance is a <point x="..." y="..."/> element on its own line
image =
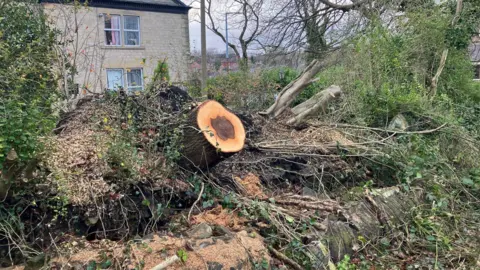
<point x="474" y="51"/>
<point x="118" y="43"/>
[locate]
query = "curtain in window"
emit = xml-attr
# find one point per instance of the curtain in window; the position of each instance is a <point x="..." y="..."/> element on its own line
<point x="135" y="80"/>
<point x="112" y="30"/>
<point x="131" y="22"/>
<point x="131" y="29"/>
<point x="116" y="34"/>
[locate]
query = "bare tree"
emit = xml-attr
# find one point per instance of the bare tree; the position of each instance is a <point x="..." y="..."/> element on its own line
<point x="244" y="16"/>
<point x="313" y="26"/>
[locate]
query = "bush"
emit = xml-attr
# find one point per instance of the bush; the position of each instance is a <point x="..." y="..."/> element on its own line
<point x="27" y="87"/>
<point x="250" y="91"/>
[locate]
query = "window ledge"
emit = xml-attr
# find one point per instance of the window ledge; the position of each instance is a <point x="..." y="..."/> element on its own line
<point x="123" y="47"/>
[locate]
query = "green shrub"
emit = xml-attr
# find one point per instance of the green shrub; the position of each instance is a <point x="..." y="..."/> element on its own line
<point x="27" y="88"/>
<point x="245" y="91"/>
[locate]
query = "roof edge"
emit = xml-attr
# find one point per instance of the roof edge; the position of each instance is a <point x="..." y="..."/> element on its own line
<point x="183" y="9"/>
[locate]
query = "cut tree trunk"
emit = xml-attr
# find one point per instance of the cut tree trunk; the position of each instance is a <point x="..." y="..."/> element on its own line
<point x="313" y="105"/>
<point x="212" y="133"/>
<point x="291" y="91"/>
<point x="376" y="215"/>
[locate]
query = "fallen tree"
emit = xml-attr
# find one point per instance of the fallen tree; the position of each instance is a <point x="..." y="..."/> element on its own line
<point x="292" y="90"/>
<point x="314" y="105"/>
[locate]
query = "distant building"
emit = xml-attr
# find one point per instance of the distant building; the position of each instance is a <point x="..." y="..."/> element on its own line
<point x="119" y="42"/>
<point x="474" y="50"/>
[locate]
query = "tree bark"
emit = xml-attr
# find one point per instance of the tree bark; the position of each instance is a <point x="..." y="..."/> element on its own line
<point x="291" y="91"/>
<point x="371" y="217"/>
<point x="313" y="106"/>
<point x="210" y="134"/>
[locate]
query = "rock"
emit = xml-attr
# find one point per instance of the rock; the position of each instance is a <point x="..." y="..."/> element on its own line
<point x="309" y="192"/>
<point x="200" y="231"/>
<point x="148" y="237"/>
<point x="221" y="231"/>
<point x="399" y="122"/>
<point x="91" y="221"/>
<point x="36" y="262"/>
<point x="218" y="266"/>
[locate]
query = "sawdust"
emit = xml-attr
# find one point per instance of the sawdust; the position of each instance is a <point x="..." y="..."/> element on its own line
<point x="237" y="251"/>
<point x="152" y="253"/>
<point x="252" y="186"/>
<point x="222" y="217"/>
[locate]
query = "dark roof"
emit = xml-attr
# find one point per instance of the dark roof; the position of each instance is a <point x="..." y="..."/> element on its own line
<point x="474" y="50"/>
<point x="176" y="3"/>
<point x="168" y="6"/>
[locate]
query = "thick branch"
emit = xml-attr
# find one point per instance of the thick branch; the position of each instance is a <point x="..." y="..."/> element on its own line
<point x="314" y="105"/>
<point x="291" y="91"/>
<point x="344" y="7"/>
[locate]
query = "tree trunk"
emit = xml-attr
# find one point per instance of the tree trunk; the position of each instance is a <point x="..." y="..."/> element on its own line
<point x="370" y="218"/>
<point x="212" y="132"/>
<point x="291" y="91"/>
<point x="312" y="106"/>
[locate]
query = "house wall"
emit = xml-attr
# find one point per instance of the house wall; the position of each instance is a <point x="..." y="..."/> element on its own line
<point x="162" y="36"/>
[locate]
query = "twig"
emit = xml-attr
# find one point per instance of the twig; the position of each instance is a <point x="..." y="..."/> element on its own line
<point x="169" y="261"/>
<point x="195" y="203"/>
<point x="285" y="259"/>
<point x="380" y="129"/>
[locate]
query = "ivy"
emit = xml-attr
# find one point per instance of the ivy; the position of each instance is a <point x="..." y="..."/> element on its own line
<point x="27" y="83"/>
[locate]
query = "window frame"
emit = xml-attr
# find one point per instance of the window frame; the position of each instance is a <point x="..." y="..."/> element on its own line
<point x="476" y="72"/>
<point x="123" y="77"/>
<point x="125" y="84"/>
<point x="141" y="77"/>
<point x="120" y="29"/>
<point x="131" y="30"/>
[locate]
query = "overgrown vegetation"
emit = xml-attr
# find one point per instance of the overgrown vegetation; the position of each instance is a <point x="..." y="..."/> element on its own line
<point x="27" y="84"/>
<point x="119" y="154"/>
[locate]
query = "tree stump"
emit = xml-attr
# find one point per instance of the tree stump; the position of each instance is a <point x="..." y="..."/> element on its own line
<point x="212" y="132"/>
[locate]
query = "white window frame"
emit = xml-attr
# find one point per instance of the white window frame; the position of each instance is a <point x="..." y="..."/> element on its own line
<point x="123" y="77"/>
<point x="476" y="66"/>
<point x="113" y="29"/>
<point x="131" y="30"/>
<point x="125" y="84"/>
<point x="137" y="86"/>
<point x="122" y="30"/>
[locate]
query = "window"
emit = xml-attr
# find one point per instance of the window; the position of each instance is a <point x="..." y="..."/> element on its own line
<point x="477" y="72"/>
<point x="114" y="79"/>
<point x="131" y="29"/>
<point x="134" y="79"/>
<point x="114" y="30"/>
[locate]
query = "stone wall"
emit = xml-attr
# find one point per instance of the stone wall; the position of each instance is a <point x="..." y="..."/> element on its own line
<point x="162" y="36"/>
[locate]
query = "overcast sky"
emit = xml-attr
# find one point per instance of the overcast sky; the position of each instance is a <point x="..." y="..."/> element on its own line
<point x="213" y="41"/>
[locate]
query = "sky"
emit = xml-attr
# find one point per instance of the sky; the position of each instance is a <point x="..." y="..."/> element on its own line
<point x="213" y="41"/>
